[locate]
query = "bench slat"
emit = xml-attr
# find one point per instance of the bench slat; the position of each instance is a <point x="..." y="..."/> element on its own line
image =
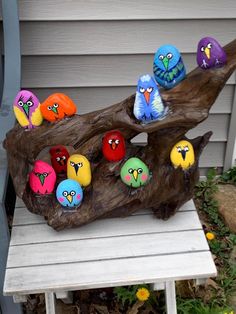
<point x="40" y="233"/>
<point x="24" y="217"/>
<point x="108" y="273"/>
<point x="106" y="248"/>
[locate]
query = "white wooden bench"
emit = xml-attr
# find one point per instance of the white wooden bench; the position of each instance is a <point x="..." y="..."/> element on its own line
<point x="106" y="253"/>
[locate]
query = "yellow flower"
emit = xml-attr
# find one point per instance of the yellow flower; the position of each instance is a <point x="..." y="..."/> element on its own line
<point x="232" y="312"/>
<point x="142" y="294"/>
<point x="210" y="236"/>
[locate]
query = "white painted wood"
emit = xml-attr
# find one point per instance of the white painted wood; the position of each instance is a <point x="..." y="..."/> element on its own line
<point x="65" y="296"/>
<point x="24" y="217"/>
<point x="89" y="71"/>
<point x="17" y="298"/>
<point x="50" y="303"/>
<point x="201" y="281"/>
<point x="109" y="273"/>
<point x="124" y="9"/>
<point x="95" y="98"/>
<point x="107" y="37"/>
<point x="157" y="286"/>
<point x="106" y="248"/>
<point x="131" y="225"/>
<point x="170" y="297"/>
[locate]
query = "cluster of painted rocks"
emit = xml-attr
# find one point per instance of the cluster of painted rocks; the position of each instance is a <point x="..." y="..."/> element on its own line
<point x="169" y="70"/>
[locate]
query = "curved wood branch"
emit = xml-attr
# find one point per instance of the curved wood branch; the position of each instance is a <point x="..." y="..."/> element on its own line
<point x="189" y="104"/>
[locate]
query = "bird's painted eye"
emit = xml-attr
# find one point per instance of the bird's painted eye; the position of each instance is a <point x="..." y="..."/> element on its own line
<point x="65" y="193"/>
<point x="29" y="103"/>
<point x="117" y="141"/>
<point x="55" y="105"/>
<point x="186" y="148"/>
<point x="58" y="159"/>
<point x="161" y="57"/>
<point x="110" y="141"/>
<point x="72" y="163"/>
<point x="63" y="157"/>
<point x="209" y="45"/>
<point x="80" y="164"/>
<point x="20" y="103"/>
<point x="131" y="170"/>
<point x="72" y="193"/>
<point x="49" y="108"/>
<point x="45" y="174"/>
<point x="169" y="55"/>
<point x="149" y="89"/>
<point x="202" y="49"/>
<point x="179" y="149"/>
<point x="140" y="170"/>
<point x="142" y="90"/>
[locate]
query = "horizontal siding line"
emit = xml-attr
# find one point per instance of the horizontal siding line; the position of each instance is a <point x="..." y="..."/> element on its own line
<point x="108" y="259"/>
<point x="111" y="236"/>
<point x="129" y="19"/>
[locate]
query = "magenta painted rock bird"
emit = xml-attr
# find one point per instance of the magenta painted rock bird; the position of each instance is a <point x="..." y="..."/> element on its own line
<point x="42" y="178"/>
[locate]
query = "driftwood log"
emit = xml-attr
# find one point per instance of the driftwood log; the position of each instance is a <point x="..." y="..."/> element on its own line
<point x="107" y="196"/>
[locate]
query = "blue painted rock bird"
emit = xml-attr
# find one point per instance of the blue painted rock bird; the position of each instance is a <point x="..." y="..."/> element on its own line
<point x="168" y="66"/>
<point x="69" y="193"/>
<point x="148" y="105"/>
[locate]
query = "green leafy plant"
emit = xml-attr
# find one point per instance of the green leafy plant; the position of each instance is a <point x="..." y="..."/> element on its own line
<point x="229" y="176"/>
<point x="196" y="306"/>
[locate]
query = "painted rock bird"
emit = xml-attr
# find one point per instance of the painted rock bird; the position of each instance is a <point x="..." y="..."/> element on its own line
<point x="134" y="172"/>
<point x="78" y="169"/>
<point x="148" y="105"/>
<point x="69" y="193"/>
<point x="57" y="106"/>
<point x="113" y="146"/>
<point x="27" y="109"/>
<point x="42" y="178"/>
<point x="182" y="154"/>
<point x="168" y="66"/>
<point x="59" y="157"/>
<point x="210" y="54"/>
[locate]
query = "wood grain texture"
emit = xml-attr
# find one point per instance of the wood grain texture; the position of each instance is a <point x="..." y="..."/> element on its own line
<point x="88" y="99"/>
<point x="43" y="10"/>
<point x="132" y="225"/>
<point x="91" y="71"/>
<point x="169" y="188"/>
<point x="109" y="273"/>
<point x="107" y="37"/>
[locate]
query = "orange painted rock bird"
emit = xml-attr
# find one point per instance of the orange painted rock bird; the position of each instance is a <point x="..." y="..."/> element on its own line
<point x="57" y="106"/>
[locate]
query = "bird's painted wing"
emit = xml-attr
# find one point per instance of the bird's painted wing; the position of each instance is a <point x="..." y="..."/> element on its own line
<point x="157" y="106"/>
<point x="139" y="109"/>
<point x="20" y="116"/>
<point x="37" y="118"/>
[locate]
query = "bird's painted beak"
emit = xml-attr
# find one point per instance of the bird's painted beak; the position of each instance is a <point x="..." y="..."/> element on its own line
<point x="207" y="52"/>
<point x="42" y="178"/>
<point x="26" y="109"/>
<point x="183" y="153"/>
<point x="113" y="145"/>
<point x="54" y="110"/>
<point x="76" y="167"/>
<point x="135" y="175"/>
<point x="165" y="62"/>
<point x="147" y="96"/>
<point x="69" y="198"/>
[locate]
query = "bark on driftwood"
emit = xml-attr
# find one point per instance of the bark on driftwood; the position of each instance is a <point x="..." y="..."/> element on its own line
<point x="107" y="196"/>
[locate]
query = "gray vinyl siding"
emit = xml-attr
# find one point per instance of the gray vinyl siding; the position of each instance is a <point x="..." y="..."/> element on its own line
<point x="95" y="50"/>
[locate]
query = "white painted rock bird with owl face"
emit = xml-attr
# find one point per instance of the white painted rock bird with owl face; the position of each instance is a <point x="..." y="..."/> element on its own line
<point x="148" y="105"/>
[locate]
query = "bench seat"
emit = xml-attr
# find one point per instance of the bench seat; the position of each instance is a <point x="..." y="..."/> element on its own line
<point x="106" y="253"/>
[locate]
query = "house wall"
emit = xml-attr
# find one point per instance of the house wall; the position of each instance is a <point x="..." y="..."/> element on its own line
<point x="95" y="50"/>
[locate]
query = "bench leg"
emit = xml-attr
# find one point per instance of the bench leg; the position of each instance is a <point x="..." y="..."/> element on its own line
<point x="170" y="297"/>
<point x="50" y="303"/>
